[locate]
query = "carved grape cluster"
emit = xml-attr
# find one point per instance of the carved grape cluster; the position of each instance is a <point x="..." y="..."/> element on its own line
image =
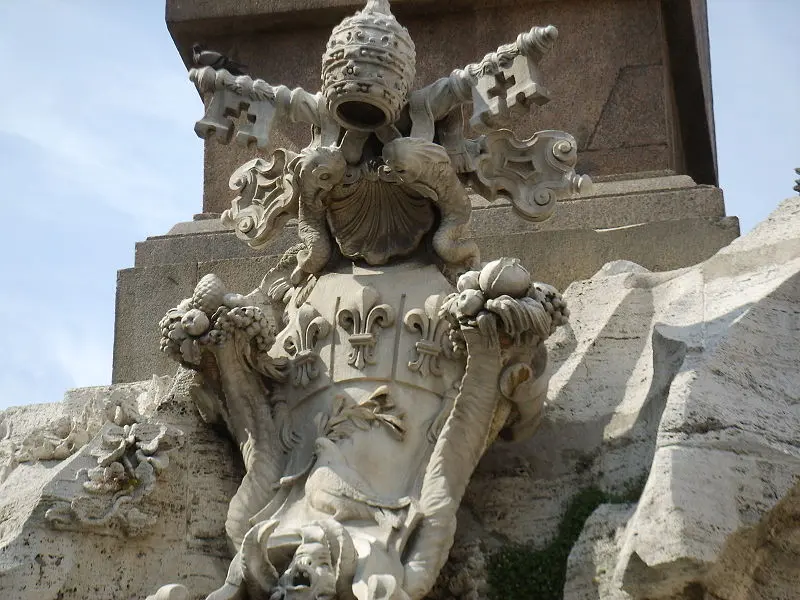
<point x="172" y="333"/>
<point x="210" y="317"/>
<point x="249" y="319"/>
<point x="553" y="303"/>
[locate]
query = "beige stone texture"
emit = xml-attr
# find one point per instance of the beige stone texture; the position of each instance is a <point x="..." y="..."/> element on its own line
<point x="190" y="500"/>
<point x="709" y="357"/>
<point x="144" y="295"/>
<point x="609" y="73"/>
<point x="221" y="244"/>
<point x="590" y="567"/>
<point x="581" y="252"/>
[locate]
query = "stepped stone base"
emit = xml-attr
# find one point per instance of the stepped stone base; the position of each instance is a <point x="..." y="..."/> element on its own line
<point x="662" y="223"/>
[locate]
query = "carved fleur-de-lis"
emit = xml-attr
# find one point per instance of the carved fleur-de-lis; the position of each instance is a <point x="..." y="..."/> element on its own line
<point x="362" y="318"/>
<point x="301" y="344"/>
<point x="434" y="340"/>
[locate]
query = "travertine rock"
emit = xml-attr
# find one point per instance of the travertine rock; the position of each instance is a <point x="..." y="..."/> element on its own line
<point x="593" y="558"/>
<point x="711" y="395"/>
<point x="121" y="548"/>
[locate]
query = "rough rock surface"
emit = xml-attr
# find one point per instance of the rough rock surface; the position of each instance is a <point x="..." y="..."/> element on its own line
<point x="109" y="558"/>
<point x="591" y="562"/>
<point x="718" y="517"/>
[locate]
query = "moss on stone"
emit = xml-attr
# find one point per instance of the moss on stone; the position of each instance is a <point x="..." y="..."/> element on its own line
<point x="520" y="572"/>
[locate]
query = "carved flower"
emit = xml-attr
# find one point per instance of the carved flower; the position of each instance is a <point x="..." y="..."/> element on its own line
<point x="128" y="460"/>
<point x="132" y="452"/>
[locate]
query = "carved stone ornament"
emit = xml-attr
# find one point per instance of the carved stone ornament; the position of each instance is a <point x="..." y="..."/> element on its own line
<point x="301" y="345"/>
<point x="376" y="362"/>
<point x="433" y="330"/>
<point x="363" y="319"/>
<point x="129" y="459"/>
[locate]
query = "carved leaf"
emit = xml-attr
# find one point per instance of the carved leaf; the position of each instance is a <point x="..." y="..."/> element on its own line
<point x="346" y="415"/>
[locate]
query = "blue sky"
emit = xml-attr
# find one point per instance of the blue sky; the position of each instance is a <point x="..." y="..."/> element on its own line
<point x="98" y="153"/>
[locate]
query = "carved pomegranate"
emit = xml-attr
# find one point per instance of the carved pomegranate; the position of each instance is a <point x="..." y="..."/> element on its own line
<point x="504" y="276"/>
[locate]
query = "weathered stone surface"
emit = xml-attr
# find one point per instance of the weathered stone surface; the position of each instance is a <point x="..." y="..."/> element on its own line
<point x="582" y="252"/>
<point x="189" y="501"/>
<point x="607" y="211"/>
<point x="143" y="296"/>
<point x="708" y="361"/>
<point x="220" y="244"/>
<point x="590" y="568"/>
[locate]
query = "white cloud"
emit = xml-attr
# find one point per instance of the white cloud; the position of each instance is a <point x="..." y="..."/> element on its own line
<point x="103" y="115"/>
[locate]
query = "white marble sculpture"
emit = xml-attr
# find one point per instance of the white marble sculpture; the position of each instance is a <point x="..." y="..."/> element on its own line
<point x="368" y="373"/>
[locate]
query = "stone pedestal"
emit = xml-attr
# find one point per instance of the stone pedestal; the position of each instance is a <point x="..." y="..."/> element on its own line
<point x="628" y="78"/>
